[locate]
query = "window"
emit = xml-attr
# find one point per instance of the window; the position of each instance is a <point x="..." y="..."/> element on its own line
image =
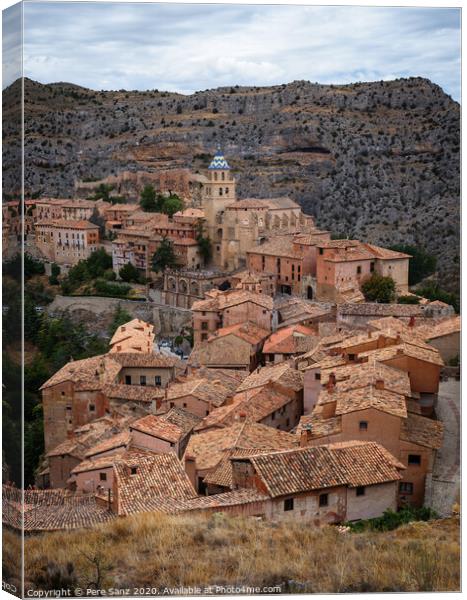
<point x="220" y="191"/>
<point x="157" y="380"/>
<point x="273" y="416"/>
<point x="363" y="425"/>
<point x="288" y="504"/>
<point x="204" y="336"/>
<point x="142" y="379"/>
<point x="287" y="423"/>
<point x="405" y="487"/>
<point x="103" y="476"/>
<point x="184" y="405"/>
<point x="128" y="379"/>
<point x="360" y="491"/>
<point x="317" y="376"/>
<point x="172" y="404"/>
<point x="414" y="459"/>
<point x="92" y="408"/>
<point x="359" y="270"/>
<point x="323" y="499"/>
<point x="133" y="470"/>
<point x="321" y="251"/>
<point x="204" y="325"/>
<point x="372" y="267"/>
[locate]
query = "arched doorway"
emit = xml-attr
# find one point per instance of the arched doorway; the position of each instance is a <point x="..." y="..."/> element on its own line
<point x="309" y="292"/>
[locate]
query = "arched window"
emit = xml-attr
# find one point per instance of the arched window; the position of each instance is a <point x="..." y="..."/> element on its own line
<point x="223" y="175"/>
<point x="227" y="191"/>
<point x="220" y="191"/>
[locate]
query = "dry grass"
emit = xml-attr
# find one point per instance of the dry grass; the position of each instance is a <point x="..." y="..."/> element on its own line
<point x="157" y="550"/>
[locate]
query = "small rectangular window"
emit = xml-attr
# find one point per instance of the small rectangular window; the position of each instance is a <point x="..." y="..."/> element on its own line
<point x="128" y="379"/>
<point x="360" y="491"/>
<point x="323" y="499"/>
<point x="414" y="459"/>
<point x="363" y="425"/>
<point x="92" y="408"/>
<point x="405" y="488"/>
<point x="142" y="379"/>
<point x="359" y="270"/>
<point x="317" y="376"/>
<point x="288" y="504"/>
<point x="134" y="470"/>
<point x="157" y="380"/>
<point x="103" y="476"/>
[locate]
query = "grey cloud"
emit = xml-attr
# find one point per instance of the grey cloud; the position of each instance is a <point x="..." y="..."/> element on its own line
<point x="190" y="47"/>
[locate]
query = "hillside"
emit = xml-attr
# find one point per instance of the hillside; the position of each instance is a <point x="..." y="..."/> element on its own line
<point x="153" y="550"/>
<point x="375" y="160"/>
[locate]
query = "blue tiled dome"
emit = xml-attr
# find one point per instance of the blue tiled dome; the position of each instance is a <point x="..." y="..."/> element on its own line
<point x="219" y="162"/>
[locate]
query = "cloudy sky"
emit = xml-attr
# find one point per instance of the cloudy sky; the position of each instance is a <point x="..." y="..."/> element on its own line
<point x="186" y="48"/>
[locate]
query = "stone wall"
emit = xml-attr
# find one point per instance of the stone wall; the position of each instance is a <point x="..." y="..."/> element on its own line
<point x="168" y="321"/>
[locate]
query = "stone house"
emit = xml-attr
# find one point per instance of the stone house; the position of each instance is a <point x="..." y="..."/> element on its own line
<point x="376" y="404"/>
<point x="182" y="287"/>
<point x="66" y="241"/>
<point x="169" y="432"/>
<point x="206" y="450"/>
<point x="197" y="395"/>
<point x="289" y="342"/>
<point x="84" y="390"/>
<point x="222" y="309"/>
<point x="343" y="265"/>
<point x="233" y="347"/>
<point x="267" y="405"/>
<point x="326" y="484"/>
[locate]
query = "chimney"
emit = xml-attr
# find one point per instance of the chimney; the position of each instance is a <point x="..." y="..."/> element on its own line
<point x="379" y="384"/>
<point x="242" y="416"/>
<point x="369" y="334"/>
<point x="305" y="435"/>
<point x="412" y="321"/>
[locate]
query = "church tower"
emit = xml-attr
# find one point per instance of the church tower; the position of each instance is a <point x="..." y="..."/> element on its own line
<point x="218" y="192"/>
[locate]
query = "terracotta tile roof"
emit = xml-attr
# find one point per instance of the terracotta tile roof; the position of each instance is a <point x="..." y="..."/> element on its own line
<point x="389" y="323"/>
<point x="280" y="373"/>
<point x="183" y="419"/>
<point x="160" y="476"/>
<point x="94" y="371"/>
<point x="352" y="464"/>
<point x="445" y="327"/>
<point x="278" y="246"/>
<point x="385" y="253"/>
<point x="319" y="427"/>
<point x="89" y="435"/>
<point x="222" y="475"/>
<point x="51" y="510"/>
<point x="423" y="431"/>
<point x="203" y="389"/>
<point x="230" y="378"/>
<point x="350" y="254"/>
<point x="410" y="350"/>
<point x="68" y="224"/>
<point x="339" y="244"/>
<point x="158" y="428"/>
<point x="208" y="447"/>
<point x="249" y="332"/>
<point x="120" y="440"/>
<point x="356" y="375"/>
<point x="368" y="397"/>
<point x="217" y="501"/>
<point x="381" y="310"/>
<point x="291" y="340"/>
<point x="158" y="360"/>
<point x="136" y="393"/>
<point x="256" y="408"/>
<point x="222" y="352"/>
<point x="221" y="300"/>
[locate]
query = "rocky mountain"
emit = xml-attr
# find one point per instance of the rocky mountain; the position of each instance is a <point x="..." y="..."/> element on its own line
<point x="378" y="161"/>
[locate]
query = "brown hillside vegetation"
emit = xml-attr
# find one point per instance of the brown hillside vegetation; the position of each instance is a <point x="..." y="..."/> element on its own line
<point x="158" y="551"/>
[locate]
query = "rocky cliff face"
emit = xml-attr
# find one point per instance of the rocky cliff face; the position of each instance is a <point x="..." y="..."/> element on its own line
<point x="378" y="161"/>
